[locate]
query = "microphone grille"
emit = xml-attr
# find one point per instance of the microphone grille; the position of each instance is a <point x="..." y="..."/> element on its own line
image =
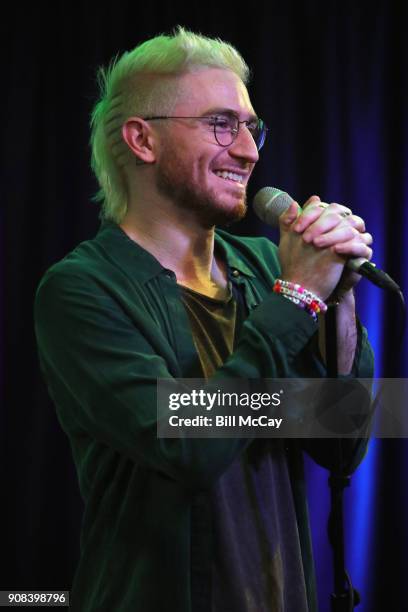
<point x="269" y="203"/>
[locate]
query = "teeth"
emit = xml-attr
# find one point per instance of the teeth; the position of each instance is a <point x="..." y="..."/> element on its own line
<point x="229" y="175"/>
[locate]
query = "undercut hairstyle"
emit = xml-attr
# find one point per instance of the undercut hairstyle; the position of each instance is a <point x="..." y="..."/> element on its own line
<point x="143" y="82"/>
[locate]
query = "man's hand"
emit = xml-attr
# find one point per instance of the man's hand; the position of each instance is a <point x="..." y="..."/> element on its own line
<point x="315" y="243"/>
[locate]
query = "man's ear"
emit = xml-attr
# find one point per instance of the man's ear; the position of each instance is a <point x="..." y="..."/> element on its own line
<point x="139" y="138"/>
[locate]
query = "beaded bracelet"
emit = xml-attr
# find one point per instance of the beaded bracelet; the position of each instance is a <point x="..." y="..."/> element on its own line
<point x="303" y="298"/>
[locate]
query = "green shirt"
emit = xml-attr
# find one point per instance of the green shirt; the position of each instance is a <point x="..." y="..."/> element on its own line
<point x="109" y="322"/>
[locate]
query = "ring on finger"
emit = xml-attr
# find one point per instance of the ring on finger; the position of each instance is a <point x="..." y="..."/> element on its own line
<point x="345" y="214"/>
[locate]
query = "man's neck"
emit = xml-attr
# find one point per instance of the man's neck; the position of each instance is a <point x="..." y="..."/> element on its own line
<point x="182" y="246"/>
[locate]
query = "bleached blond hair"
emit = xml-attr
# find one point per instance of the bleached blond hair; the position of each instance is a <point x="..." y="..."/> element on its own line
<point x="141" y="82"/>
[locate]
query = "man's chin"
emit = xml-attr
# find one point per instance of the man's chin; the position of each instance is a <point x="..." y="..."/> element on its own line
<point x="222" y="216"/>
<point x="232" y="215"/>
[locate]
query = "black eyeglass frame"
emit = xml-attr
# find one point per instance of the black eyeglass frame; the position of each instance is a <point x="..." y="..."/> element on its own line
<point x="263" y="129"/>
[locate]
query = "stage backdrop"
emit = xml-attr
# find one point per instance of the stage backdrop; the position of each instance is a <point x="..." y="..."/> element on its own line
<point x="330" y="80"/>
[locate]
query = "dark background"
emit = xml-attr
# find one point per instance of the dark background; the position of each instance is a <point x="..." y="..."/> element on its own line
<point x="330" y="80"/>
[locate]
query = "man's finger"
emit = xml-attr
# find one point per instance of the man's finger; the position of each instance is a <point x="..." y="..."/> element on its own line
<point x="290" y="215"/>
<point x="313" y="198"/>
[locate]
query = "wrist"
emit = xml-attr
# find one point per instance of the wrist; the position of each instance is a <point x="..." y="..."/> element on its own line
<point x="301" y="297"/>
<point x="341" y="297"/>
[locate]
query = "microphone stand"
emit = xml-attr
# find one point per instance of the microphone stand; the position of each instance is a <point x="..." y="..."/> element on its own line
<point x="345" y="597"/>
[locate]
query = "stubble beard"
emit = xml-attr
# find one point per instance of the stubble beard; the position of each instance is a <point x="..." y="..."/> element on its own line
<point x="173" y="180"/>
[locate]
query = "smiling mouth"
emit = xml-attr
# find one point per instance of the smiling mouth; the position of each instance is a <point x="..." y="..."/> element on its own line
<point x="230" y="176"/>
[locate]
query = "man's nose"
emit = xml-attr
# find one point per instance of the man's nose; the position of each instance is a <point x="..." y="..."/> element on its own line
<point x="244" y="146"/>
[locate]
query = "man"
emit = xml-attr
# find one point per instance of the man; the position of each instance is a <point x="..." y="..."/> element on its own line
<point x="188" y="524"/>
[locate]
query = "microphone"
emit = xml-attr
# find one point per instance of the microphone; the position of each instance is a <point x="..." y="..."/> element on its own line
<point x="270" y="202"/>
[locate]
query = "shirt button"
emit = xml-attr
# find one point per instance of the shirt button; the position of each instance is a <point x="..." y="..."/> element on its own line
<point x="235" y="273"/>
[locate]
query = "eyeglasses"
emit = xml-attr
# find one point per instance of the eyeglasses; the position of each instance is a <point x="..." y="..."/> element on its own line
<point x="226" y="127"/>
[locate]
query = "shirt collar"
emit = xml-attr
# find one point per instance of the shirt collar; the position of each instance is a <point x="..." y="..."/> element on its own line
<point x="133" y="258"/>
<point x="234" y="259"/>
<point x="119" y="246"/>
